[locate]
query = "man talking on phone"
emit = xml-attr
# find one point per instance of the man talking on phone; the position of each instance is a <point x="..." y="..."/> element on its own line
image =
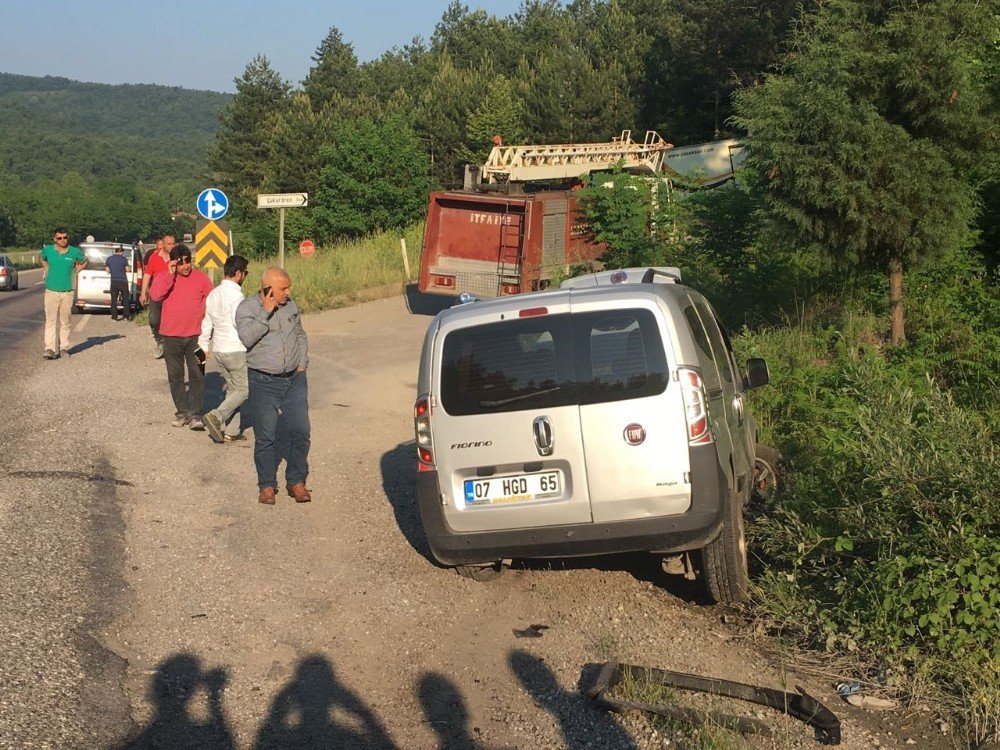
<point x="270" y="327"/>
<point x="182" y="291"/>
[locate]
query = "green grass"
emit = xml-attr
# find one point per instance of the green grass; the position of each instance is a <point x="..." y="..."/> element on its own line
<point x="337" y="274"/>
<point x="22" y="259"/>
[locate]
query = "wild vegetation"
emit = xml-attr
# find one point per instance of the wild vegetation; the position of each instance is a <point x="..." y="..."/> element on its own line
<point x="111" y="161"/>
<point x="883" y="546"/>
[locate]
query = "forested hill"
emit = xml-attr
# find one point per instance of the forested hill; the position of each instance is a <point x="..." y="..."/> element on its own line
<point x="52" y="126"/>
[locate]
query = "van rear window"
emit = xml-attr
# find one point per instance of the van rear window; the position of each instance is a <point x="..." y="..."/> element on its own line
<point x="555" y="360"/>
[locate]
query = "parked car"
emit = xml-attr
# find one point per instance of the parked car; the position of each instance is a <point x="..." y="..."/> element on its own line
<point x="93" y="285"/>
<point x="8" y="274"/>
<point x="607" y="416"/>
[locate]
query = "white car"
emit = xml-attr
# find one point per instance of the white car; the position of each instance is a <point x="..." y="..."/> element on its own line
<point x="93" y="285"/>
<point x="605" y="417"/>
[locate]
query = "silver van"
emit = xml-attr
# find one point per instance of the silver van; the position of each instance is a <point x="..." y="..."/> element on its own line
<point x="93" y="283"/>
<point x="606" y="416"/>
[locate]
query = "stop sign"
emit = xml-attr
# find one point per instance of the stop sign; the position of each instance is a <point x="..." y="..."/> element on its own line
<point x="306" y="247"/>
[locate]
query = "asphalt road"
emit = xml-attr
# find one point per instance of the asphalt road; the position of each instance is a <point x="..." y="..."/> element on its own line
<point x="61" y="531"/>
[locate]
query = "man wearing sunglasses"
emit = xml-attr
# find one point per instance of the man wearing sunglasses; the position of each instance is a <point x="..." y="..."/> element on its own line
<point x="60" y="263"/>
<point x="182" y="291"/>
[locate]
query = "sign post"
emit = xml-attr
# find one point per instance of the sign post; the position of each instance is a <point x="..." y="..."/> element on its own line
<point x="212" y="241"/>
<point x="281" y="201"/>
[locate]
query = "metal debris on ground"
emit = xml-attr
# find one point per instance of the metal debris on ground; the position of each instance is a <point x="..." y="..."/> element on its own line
<point x="532" y="631"/>
<point x="799" y="705"/>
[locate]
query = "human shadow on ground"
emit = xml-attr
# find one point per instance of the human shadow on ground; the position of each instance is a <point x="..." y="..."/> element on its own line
<point x="214" y="390"/>
<point x="399" y="482"/>
<point x="94" y="341"/>
<point x="315" y="711"/>
<point x="447" y="713"/>
<point x="583" y="725"/>
<point x="173" y="688"/>
<point x="419" y="303"/>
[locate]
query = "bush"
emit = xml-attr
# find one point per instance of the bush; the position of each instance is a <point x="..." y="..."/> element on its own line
<point x="890" y="542"/>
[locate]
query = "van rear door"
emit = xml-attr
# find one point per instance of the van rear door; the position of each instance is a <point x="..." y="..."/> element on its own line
<point x="506" y="424"/>
<point x="631" y="411"/>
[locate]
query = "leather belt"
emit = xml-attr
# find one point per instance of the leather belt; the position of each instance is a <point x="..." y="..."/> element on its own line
<point x="273" y="374"/>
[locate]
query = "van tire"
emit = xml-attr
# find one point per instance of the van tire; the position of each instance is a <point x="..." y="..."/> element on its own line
<point x="480" y="572"/>
<point x="724" y="559"/>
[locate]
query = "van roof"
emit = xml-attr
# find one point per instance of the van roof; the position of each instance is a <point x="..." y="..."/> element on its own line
<point x="631" y="288"/>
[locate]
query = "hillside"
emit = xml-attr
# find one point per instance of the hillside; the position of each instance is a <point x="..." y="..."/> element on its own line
<point x="51" y="126"/>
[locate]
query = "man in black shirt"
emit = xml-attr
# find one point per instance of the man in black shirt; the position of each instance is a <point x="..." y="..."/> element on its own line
<point x="118" y="269"/>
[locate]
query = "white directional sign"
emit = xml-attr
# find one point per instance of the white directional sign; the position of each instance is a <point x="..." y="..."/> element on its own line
<point x="213" y="204"/>
<point x="283" y="200"/>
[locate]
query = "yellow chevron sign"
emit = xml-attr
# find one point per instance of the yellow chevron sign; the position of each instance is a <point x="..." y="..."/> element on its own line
<point x="211" y="244"/>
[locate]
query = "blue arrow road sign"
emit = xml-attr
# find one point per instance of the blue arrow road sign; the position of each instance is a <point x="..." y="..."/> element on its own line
<point x="212" y="204"/>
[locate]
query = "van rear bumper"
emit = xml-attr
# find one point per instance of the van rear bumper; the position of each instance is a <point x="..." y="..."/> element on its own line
<point x="662" y="534"/>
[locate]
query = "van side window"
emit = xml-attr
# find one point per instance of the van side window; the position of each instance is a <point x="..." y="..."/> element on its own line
<point x="705" y="359"/>
<point x="620" y="356"/>
<point x="718" y="346"/>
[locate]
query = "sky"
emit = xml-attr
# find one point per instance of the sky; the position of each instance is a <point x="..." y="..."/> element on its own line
<point x="202" y="44"/>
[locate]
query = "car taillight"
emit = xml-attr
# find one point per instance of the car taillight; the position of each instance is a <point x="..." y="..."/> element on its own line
<point x="3" y="271"/>
<point x="695" y="407"/>
<point x="422" y="428"/>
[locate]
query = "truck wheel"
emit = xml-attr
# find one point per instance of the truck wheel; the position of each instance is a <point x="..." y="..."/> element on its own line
<point x="724" y="559"/>
<point x="480" y="572"/>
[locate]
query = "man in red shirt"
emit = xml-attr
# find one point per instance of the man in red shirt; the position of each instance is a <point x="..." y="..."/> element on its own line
<point x="156" y="262"/>
<point x="182" y="290"/>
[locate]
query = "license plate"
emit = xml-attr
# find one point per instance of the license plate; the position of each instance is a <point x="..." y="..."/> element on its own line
<point x="514" y="489"/>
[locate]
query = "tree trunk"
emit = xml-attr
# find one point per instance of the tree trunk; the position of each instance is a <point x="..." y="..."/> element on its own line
<point x="897" y="332"/>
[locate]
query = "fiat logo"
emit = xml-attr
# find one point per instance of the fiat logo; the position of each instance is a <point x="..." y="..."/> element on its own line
<point x="635" y="434"/>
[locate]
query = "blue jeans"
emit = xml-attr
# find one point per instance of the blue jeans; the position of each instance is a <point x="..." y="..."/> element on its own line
<point x="279" y="404"/>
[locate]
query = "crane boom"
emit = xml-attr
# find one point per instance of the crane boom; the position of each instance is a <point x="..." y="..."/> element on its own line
<point x="551" y="162"/>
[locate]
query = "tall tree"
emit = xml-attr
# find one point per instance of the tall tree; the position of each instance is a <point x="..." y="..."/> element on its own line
<point x="374" y="177"/>
<point x="500" y="113"/>
<point x="335" y="71"/>
<point x="704" y="51"/>
<point x="869" y="141"/>
<point x="474" y="38"/>
<point x="242" y="147"/>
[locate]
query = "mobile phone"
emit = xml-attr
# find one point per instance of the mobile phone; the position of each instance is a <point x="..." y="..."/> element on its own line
<point x="200" y="355"/>
<point x="267" y="291"/>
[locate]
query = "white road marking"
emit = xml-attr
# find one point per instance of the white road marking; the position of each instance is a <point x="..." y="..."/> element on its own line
<point x="84" y="319"/>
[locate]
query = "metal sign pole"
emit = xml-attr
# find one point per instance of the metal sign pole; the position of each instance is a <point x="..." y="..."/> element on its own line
<point x="281" y="238"/>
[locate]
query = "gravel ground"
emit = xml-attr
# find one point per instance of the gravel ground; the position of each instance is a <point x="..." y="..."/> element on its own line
<point x="61" y="569"/>
<point x="327" y="625"/>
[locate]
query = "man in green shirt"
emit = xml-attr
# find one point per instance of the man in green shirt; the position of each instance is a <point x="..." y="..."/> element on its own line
<point x="60" y="263"/>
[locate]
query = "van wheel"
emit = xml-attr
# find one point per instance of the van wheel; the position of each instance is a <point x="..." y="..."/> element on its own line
<point x="767" y="471"/>
<point x="480" y="572"/>
<point x="724" y="560"/>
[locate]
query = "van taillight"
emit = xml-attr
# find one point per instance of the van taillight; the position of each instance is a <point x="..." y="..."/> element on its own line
<point x="695" y="407"/>
<point x="444" y="281"/>
<point x="422" y="428"/>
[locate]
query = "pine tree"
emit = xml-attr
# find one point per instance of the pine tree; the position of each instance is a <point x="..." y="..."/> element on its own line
<point x="335" y="72"/>
<point x="870" y="139"/>
<point x="242" y="149"/>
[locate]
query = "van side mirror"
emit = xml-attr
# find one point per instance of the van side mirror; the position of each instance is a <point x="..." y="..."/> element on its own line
<point x="757" y="373"/>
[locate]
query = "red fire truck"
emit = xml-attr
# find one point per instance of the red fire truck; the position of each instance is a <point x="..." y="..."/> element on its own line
<point x="517" y="222"/>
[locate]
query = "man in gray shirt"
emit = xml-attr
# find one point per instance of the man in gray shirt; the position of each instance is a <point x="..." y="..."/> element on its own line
<point x="270" y="328"/>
